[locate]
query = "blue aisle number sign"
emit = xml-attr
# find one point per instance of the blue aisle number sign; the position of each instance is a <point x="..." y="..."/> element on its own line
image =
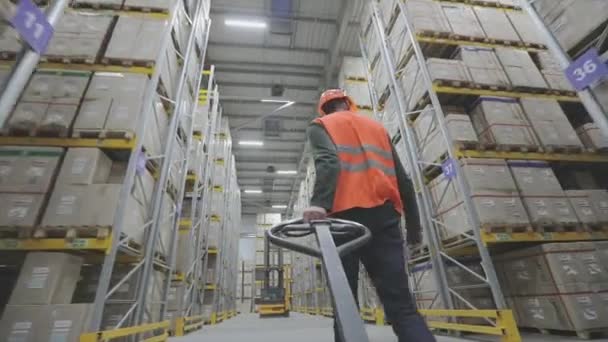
<point x="586" y="70"/>
<point x="32" y="25"/>
<point x="449" y="169"/>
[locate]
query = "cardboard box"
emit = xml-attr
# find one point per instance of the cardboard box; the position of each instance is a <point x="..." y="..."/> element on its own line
<point x="67" y="322"/>
<point x="484" y="66"/>
<point x="462" y="20"/>
<point x="495" y="24"/>
<point x="592" y="137"/>
<point x="520" y="68"/>
<point x="28" y="169"/>
<point x="23" y="323"/>
<point x="47" y="278"/>
<point x="20" y="210"/>
<point x="550" y="124"/>
<point x="352" y="68"/>
<point x="84" y="166"/>
<point x="525" y="27"/>
<point x="66" y="206"/>
<point x="136" y="38"/>
<point x="427" y="15"/>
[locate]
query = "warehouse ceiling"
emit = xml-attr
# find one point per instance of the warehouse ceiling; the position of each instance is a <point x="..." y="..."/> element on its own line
<point x="284" y="51"/>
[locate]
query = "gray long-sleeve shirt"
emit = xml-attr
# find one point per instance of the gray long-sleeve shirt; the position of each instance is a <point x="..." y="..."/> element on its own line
<point x="327" y="167"/>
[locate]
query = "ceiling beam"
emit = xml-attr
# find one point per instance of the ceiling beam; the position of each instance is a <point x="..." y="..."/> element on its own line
<point x="313" y="68"/>
<point x="266" y="47"/>
<point x="269" y="15"/>
<point x="265" y="85"/>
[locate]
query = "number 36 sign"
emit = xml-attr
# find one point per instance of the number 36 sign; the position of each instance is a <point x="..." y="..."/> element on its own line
<point x="586" y="70"/>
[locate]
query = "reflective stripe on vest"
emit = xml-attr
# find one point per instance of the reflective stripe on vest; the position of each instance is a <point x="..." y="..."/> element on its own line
<point x="367" y="176"/>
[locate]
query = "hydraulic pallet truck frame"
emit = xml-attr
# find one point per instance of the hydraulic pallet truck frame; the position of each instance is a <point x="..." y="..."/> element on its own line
<point x="273" y="301"/>
<point x="348" y="319"/>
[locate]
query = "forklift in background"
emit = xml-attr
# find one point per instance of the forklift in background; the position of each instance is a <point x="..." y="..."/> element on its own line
<point x="273" y="301"/>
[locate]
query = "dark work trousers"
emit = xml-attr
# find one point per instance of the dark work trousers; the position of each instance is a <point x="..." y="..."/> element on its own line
<point x="384" y="261"/>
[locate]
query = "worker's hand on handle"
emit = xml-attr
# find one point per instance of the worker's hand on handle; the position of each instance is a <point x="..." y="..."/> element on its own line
<point x="314" y="213"/>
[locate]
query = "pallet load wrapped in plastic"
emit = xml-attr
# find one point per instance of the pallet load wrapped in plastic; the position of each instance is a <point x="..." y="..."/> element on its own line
<point x="111" y="107"/>
<point x="430" y="139"/>
<point x="78" y="38"/>
<point x="427" y="15"/>
<point x="592" y="137"/>
<point x="525" y="27"/>
<point x="545" y="200"/>
<point x="494" y="193"/>
<point x="502" y="123"/>
<point x="551" y="125"/>
<point x="557" y="286"/>
<point x="496" y="24"/>
<point x="563" y="18"/>
<point x="483" y="66"/>
<point x="48" y="105"/>
<point x="520" y="69"/>
<point x="359" y="92"/>
<point x="462" y="20"/>
<point x="135" y="41"/>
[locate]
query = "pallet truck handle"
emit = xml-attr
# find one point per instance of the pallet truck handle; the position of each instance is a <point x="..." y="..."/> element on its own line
<point x="282" y="235"/>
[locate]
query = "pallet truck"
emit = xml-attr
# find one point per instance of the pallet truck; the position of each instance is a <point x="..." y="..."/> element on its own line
<point x="273" y="301"/>
<point x="350" y="325"/>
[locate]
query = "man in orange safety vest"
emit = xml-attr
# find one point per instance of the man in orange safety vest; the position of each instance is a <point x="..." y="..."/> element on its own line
<point x="359" y="177"/>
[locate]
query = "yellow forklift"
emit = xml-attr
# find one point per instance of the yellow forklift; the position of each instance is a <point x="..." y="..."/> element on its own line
<point x="273" y="301"/>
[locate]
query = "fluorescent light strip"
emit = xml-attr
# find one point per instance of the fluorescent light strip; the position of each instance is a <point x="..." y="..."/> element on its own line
<point x="274" y="101"/>
<point x="246" y="23"/>
<point x="279" y="207"/>
<point x="253" y="191"/>
<point x="287" y="172"/>
<point x="251" y="143"/>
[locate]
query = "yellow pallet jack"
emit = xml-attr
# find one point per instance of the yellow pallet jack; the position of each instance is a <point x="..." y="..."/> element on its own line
<point x="273" y="300"/>
<point x="350" y="325"/>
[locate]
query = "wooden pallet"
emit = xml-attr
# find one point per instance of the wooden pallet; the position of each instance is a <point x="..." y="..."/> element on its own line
<point x="507" y="228"/>
<point x="582" y="334"/>
<point x="553" y="227"/>
<point x="103" y="134"/>
<point x="145" y="9"/>
<point x="71" y="233"/>
<point x="563" y="149"/>
<point x="517" y="148"/>
<point x="68" y="59"/>
<point x="97" y="6"/>
<point x="127" y="62"/>
<point x="474" y="145"/>
<point x="356" y="79"/>
<point x="36" y="131"/>
<point x="8" y="55"/>
<point x="16" y="232"/>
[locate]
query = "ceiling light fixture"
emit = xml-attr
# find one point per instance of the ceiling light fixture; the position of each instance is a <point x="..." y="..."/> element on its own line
<point x="246" y="23"/>
<point x="251" y="191"/>
<point x="279" y="206"/>
<point x="287" y="172"/>
<point x="251" y="143"/>
<point x="274" y="101"/>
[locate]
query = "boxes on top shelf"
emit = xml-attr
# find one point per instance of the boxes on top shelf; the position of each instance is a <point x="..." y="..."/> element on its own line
<point x="359" y="92"/>
<point x="79" y="37"/>
<point x="496" y="24"/>
<point x="592" y="137"/>
<point x="563" y="18"/>
<point x="520" y="68"/>
<point x="525" y="27"/>
<point x="484" y="66"/>
<point x="427" y="15"/>
<point x="135" y="40"/>
<point x="462" y="20"/>
<point x="551" y="125"/>
<point x="352" y="68"/>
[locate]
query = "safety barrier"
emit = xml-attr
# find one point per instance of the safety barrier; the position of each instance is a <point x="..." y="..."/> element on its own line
<point x="161" y="331"/>
<point x="185" y="325"/>
<point x="503" y="322"/>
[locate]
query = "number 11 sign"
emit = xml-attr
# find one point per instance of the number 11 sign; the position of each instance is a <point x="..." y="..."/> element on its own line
<point x="586" y="70"/>
<point x="32" y="25"/>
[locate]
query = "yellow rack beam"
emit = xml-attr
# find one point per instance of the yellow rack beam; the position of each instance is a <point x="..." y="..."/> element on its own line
<point x="88" y="67"/>
<point x="55" y="244"/>
<point x="489" y="238"/>
<point x="213" y="251"/>
<point x="570" y="157"/>
<point x="501" y="93"/>
<point x="505" y="325"/>
<point x="115" y="144"/>
<point x="104" y="336"/>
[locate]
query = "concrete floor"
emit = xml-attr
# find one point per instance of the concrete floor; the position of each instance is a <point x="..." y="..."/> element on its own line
<point x="305" y="328"/>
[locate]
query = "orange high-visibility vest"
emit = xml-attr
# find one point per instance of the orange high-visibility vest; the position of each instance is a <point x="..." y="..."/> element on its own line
<point x="367" y="170"/>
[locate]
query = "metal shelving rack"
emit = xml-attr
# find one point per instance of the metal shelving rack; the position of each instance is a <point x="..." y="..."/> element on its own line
<point x="477" y="244"/>
<point x="118" y="248"/>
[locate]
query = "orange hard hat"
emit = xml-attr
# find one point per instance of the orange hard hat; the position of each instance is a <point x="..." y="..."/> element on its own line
<point x="333" y="94"/>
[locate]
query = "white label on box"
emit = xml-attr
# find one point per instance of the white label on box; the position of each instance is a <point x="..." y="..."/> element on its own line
<point x="22" y="325"/>
<point x="66" y="206"/>
<point x="64" y="323"/>
<point x="18" y="212"/>
<point x="79" y="164"/>
<point x="38" y="278"/>
<point x="35" y="171"/>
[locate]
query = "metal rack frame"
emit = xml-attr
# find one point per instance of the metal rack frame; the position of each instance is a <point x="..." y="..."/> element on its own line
<point x="440" y="255"/>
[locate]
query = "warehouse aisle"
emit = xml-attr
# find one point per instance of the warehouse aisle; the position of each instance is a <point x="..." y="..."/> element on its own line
<point x="297" y="328"/>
